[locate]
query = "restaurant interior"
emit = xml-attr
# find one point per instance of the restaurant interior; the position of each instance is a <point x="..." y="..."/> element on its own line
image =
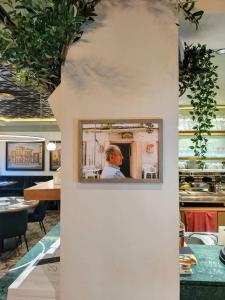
<point x="30" y="157"/>
<point x="119" y="239"/>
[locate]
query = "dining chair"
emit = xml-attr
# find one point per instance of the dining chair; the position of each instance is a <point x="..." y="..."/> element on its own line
<point x="38" y="214"/>
<point x="149" y="172"/>
<point x="13" y="224"/>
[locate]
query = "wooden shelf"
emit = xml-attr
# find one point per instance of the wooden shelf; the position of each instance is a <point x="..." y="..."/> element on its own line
<point x="43" y="191"/>
<point x="182" y="209"/>
<point x="191" y="133"/>
<point x="198" y="158"/>
<point x="189" y="107"/>
<point x="203" y="171"/>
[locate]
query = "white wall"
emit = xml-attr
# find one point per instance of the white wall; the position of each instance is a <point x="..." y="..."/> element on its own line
<point x="50" y="136"/>
<point x="120" y="241"/>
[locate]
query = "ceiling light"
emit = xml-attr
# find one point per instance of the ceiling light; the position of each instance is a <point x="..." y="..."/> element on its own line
<point x="6" y="96"/>
<point x="20" y="138"/>
<point x="220" y="51"/>
<point x="51" y="146"/>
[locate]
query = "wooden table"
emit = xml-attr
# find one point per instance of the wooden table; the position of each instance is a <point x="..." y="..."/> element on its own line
<point x="43" y="191"/>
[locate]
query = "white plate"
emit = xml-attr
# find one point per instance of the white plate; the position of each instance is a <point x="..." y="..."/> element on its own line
<point x="20" y="200"/>
<point x="4" y="199"/>
<point x="4" y="203"/>
<point x="16" y="205"/>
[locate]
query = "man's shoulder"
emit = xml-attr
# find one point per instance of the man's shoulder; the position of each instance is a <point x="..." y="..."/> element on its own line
<point x="109" y="172"/>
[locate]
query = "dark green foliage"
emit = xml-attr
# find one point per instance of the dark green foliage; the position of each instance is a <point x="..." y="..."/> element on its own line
<point x="187" y="6"/>
<point x="198" y="77"/>
<point x="35" y="37"/>
<point x="36" y="34"/>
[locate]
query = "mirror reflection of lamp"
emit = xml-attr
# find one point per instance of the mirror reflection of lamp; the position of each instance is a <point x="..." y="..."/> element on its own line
<point x="51" y="146"/>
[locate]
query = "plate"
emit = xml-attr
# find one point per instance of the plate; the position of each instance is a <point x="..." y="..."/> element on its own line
<point x="20" y="200"/>
<point x="5" y="199"/>
<point x="4" y="203"/>
<point x="16" y="205"/>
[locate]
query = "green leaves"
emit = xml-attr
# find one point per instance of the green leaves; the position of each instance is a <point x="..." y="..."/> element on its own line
<point x="35" y="37"/>
<point x="198" y="78"/>
<point x="187" y="6"/>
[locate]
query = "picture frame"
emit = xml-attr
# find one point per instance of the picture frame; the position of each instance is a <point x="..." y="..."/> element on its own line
<point x="25" y="156"/>
<point x="55" y="157"/>
<point x="120" y="150"/>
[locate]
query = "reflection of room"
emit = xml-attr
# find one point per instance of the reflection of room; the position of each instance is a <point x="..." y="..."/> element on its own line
<point x="119" y="239"/>
<point x="202" y="180"/>
<point x="26" y="162"/>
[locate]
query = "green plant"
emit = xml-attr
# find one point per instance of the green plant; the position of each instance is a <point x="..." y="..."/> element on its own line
<point x="198" y="78"/>
<point x="188" y="9"/>
<point x="36" y="34"/>
<point x="35" y="37"/>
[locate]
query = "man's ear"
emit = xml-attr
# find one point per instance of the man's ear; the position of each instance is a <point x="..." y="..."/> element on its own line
<point x="110" y="156"/>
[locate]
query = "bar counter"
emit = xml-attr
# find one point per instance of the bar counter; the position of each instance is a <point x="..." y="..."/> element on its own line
<point x="208" y="279"/>
<point x="43" y="191"/>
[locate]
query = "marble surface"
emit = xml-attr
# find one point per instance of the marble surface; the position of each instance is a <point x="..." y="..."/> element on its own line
<point x="209" y="269"/>
<point x="43" y="245"/>
<point x="208" y="279"/>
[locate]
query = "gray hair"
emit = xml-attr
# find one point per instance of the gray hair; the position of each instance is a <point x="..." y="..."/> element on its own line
<point x="110" y="150"/>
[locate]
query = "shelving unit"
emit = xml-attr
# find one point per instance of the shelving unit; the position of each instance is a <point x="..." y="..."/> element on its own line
<point x="216" y="155"/>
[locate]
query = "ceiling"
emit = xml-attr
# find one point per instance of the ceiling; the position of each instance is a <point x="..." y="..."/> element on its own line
<point x="29" y="109"/>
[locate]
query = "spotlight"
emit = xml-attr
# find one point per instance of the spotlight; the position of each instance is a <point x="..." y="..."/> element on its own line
<point x="51" y="146"/>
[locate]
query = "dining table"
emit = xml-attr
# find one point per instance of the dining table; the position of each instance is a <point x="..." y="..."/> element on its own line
<point x="12" y="204"/>
<point x="7" y="183"/>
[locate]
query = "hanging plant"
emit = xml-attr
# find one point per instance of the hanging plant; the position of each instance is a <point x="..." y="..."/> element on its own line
<point x="198" y="78"/>
<point x="35" y="37"/>
<point x="188" y="9"/>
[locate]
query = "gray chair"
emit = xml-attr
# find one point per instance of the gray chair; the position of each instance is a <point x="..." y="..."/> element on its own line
<point x="13" y="224"/>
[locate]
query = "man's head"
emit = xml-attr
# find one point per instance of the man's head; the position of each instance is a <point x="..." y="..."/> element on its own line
<point x="114" y="155"/>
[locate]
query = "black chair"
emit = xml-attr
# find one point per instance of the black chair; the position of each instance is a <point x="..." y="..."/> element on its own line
<point x="13" y="224"/>
<point x="38" y="214"/>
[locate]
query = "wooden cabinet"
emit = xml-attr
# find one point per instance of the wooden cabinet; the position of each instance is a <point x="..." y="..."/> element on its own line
<point x="220" y="213"/>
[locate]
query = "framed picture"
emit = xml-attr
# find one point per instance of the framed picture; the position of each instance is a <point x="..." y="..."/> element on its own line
<point x="27" y="156"/>
<point x="127" y="150"/>
<point x="55" y="157"/>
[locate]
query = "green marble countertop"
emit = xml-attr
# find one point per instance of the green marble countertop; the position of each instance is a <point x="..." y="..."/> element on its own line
<point x="43" y="245"/>
<point x="209" y="269"/>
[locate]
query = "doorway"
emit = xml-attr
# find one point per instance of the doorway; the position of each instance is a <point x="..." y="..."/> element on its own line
<point x="126" y="152"/>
